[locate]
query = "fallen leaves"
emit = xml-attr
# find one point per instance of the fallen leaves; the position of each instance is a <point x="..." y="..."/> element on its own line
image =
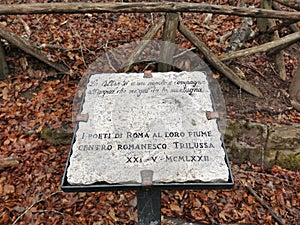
<point x="35" y="97"/>
<point x="238" y="205"/>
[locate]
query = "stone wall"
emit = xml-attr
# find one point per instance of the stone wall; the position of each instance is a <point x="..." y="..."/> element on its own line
<point x="254" y="142"/>
<point x="264" y="144"/>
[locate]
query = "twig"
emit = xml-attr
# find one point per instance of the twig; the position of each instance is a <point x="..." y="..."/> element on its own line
<point x="25" y="25"/>
<point x="76" y="33"/>
<point x="270" y="111"/>
<point x="183" y="52"/>
<point x="253" y="68"/>
<point x="250" y="189"/>
<point x="55" y="47"/>
<point x="109" y="63"/>
<point x="148" y="65"/>
<point x="81" y="52"/>
<point x="33" y="204"/>
<point x="287" y="183"/>
<point x="2" y="214"/>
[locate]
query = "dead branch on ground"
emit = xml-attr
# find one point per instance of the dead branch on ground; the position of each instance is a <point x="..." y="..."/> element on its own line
<point x="33" y="204"/>
<point x="29" y="49"/>
<point x="142" y="7"/>
<point x="272" y="45"/>
<point x="250" y="189"/>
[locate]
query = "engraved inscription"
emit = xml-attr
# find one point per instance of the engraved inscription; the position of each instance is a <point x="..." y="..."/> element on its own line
<point x="157" y="124"/>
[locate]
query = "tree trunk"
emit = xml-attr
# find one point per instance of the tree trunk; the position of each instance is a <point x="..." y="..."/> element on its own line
<point x="295" y="90"/>
<point x="142" y="7"/>
<point x="3" y="65"/>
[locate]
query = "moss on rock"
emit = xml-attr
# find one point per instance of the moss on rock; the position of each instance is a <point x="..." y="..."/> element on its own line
<point x="58" y="136"/>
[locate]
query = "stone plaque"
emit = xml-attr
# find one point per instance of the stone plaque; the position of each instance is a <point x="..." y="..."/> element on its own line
<point x="130" y="123"/>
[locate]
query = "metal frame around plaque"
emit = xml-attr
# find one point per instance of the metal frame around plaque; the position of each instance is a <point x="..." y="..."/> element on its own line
<point x="103" y="186"/>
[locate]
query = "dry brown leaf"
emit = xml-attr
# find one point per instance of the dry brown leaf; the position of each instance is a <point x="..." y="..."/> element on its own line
<point x="207" y="210"/>
<point x="9" y="189"/>
<point x="175" y="207"/>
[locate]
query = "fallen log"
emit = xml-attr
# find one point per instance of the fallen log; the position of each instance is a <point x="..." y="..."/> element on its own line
<point x="272" y="45"/>
<point x="216" y="62"/>
<point x="142" y="7"/>
<point x="29" y="49"/>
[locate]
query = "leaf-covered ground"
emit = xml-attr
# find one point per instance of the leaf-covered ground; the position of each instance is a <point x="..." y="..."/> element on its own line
<point x="35" y="97"/>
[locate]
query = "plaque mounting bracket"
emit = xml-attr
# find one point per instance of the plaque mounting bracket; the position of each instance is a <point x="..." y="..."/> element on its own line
<point x="147" y="74"/>
<point x="82" y="117"/>
<point x="212" y="115"/>
<point x="147" y="177"/>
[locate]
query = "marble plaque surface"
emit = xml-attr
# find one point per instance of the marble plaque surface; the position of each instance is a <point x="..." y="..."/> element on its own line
<point x="158" y="123"/>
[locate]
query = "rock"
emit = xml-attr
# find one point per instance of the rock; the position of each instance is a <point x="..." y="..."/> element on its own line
<point x="262" y="144"/>
<point x="58" y="136"/>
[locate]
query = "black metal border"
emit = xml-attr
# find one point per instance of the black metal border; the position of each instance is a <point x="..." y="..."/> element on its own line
<point x="65" y="186"/>
<point x="96" y="187"/>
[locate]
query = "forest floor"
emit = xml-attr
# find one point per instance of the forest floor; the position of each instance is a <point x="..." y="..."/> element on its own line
<point x="35" y="96"/>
